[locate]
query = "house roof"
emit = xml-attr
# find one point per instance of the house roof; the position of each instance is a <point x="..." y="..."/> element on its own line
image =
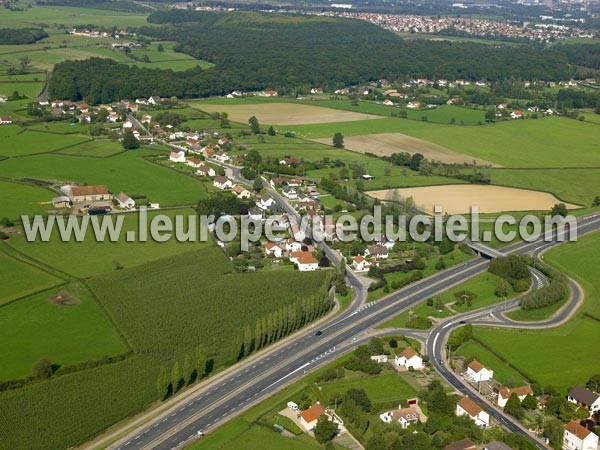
<point x="270" y="245"/>
<point x="122" y="196"/>
<point x="377" y="250"/>
<point x="358" y="259"/>
<point x="312" y="413"/>
<point x="194" y="160"/>
<point x="463" y="444"/>
<point x="409" y="413"/>
<point x="239" y="189"/>
<point x="77" y="191"/>
<point x="583" y="395"/>
<point x="578" y="430"/>
<point x="408" y="353"/>
<point x="496" y="445"/>
<point x="221" y="179"/>
<point x="469" y="406"/>
<point x="520" y="391"/>
<point x="476" y="366"/>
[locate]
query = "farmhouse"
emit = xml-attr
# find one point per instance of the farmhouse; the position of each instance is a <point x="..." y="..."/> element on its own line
<point x="221" y="182"/>
<point x="409" y="358"/>
<point x="463" y="444"/>
<point x="585" y="398"/>
<point x="504" y="394"/>
<point x="478" y="372"/>
<point x="79" y="194"/>
<point x="272" y="249"/>
<point x="177" y="157"/>
<point x="377" y="251"/>
<point x="404" y="416"/>
<point x="467" y="407"/>
<point x="5" y="120"/>
<point x="204" y="170"/>
<point x="125" y="201"/>
<point x="578" y="437"/>
<point x="154" y="100"/>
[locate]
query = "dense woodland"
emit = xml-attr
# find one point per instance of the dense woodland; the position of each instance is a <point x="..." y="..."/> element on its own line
<point x="18" y="36"/>
<point x="253" y="51"/>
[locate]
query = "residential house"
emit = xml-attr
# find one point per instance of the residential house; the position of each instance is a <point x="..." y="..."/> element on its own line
<point x="255" y="213"/>
<point x="221" y="182"/>
<point x="113" y="117"/>
<point x="503" y="106"/>
<point x="146" y="118"/>
<point x="409" y="358"/>
<point x="413" y="105"/>
<point x="585" y="398"/>
<point x="154" y="100"/>
<point x="204" y="170"/>
<point x="79" y="194"/>
<point x="125" y="201"/>
<point x="388" y="102"/>
<point x="289" y="192"/>
<point x="269" y="93"/>
<point x="478" y="372"/>
<point x="289" y="161"/>
<point x="221" y="156"/>
<point x="305" y="261"/>
<point x="3" y="98"/>
<point x="141" y="101"/>
<point x="291" y="245"/>
<point x="578" y="437"/>
<point x="297" y="232"/>
<point x="467" y="407"/>
<point x="404" y="416"/>
<point x="377" y="251"/>
<point x="272" y="249"/>
<point x="128" y="124"/>
<point x="316" y="90"/>
<point x="516" y="114"/>
<point x="309" y="417"/>
<point x="360" y="264"/>
<point x="241" y="192"/>
<point x="504" y="394"/>
<point x="57" y="103"/>
<point x="5" y="120"/>
<point x="177" y="157"/>
<point x="265" y="202"/>
<point x="194" y="162"/>
<point x="84" y="118"/>
<point x="463" y="444"/>
<point x="381" y="359"/>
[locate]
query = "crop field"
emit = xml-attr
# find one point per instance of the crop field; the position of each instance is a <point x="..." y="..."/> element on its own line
<point x="19" y="198"/>
<point x="128" y="172"/>
<point x="16" y="142"/>
<point x="283" y="113"/>
<point x="384" y="144"/>
<point x="527" y="350"/>
<point x="64" y="333"/>
<point x="89" y="257"/>
<point x="459" y="198"/>
<point x="18" y="279"/>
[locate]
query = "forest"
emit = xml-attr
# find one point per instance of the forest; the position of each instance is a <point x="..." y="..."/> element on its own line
<point x="254" y="51"/>
<point x="19" y="36"/>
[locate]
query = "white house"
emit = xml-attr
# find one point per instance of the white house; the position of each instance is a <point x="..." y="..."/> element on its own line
<point x="377" y="251"/>
<point x="178" y="157"/>
<point x="5" y="120"/>
<point x="504" y="394"/>
<point x="381" y="359"/>
<point x="272" y="249"/>
<point x="309" y="417"/>
<point x="578" y="437"/>
<point x="221" y="182"/>
<point x="516" y="114"/>
<point x="478" y="372"/>
<point x="146" y="118"/>
<point x="128" y="124"/>
<point x="409" y="358"/>
<point x="404" y="416"/>
<point x="255" y="213"/>
<point x="125" y="201"/>
<point x="204" y="170"/>
<point x="467" y="407"/>
<point x="290" y="192"/>
<point x="265" y="202"/>
<point x="292" y="245"/>
<point x="154" y="100"/>
<point x="241" y="192"/>
<point x="360" y="264"/>
<point x="305" y="261"/>
<point x="194" y="162"/>
<point x="3" y="98"/>
<point x="316" y="90"/>
<point x="388" y="102"/>
<point x="585" y="398"/>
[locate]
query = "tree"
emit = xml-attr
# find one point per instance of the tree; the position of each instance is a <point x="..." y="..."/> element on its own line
<point x="361" y="398"/>
<point x="559" y="210"/>
<point x="24" y="62"/>
<point x="529" y="402"/>
<point x="160" y="48"/>
<point x="375" y="346"/>
<point x="175" y="377"/>
<point x="129" y="141"/>
<point x="42" y="368"/>
<point x="324" y="430"/>
<point x="271" y="131"/>
<point x="162" y="384"/>
<point x="254" y="126"/>
<point x="187" y="370"/>
<point x="596" y="201"/>
<point x="501" y="289"/>
<point x="257" y="184"/>
<point x="338" y="140"/>
<point x="513" y="406"/>
<point x="490" y="115"/>
<point x="200" y="362"/>
<point x="554" y="431"/>
<point x="593" y="384"/>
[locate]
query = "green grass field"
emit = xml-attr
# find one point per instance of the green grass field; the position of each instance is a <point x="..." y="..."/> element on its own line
<point x="35" y="328"/>
<point x="18" y="279"/>
<point x="22" y="198"/>
<point x="379" y="388"/>
<point x="99" y="148"/>
<point x="528" y="350"/>
<point x="89" y="257"/>
<point x="128" y="172"/>
<point x="17" y="142"/>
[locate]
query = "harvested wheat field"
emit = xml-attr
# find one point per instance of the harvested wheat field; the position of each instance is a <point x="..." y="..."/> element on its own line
<point x="458" y="199"/>
<point x="384" y="144"/>
<point x="284" y="113"/>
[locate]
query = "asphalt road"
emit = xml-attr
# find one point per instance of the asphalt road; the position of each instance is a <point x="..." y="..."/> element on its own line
<point x="262" y="376"/>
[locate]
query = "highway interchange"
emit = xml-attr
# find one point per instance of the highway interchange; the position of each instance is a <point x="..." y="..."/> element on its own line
<point x="262" y="375"/>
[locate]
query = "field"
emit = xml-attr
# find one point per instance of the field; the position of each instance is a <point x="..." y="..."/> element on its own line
<point x="459" y="198"/>
<point x="384" y="144"/>
<point x="282" y="113"/>
<point x="17" y="142"/>
<point x="18" y="279"/>
<point x="19" y="198"/>
<point x="527" y="350"/>
<point x="382" y="388"/>
<point x="89" y="257"/>
<point x="64" y="334"/>
<point x="99" y="148"/>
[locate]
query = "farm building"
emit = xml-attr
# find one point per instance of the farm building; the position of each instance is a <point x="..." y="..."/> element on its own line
<point x="125" y="201"/>
<point x="79" y="194"/>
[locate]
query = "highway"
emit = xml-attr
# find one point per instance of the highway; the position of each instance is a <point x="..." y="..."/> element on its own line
<point x="273" y="368"/>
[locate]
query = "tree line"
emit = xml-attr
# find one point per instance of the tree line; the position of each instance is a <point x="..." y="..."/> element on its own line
<point x="20" y="36"/>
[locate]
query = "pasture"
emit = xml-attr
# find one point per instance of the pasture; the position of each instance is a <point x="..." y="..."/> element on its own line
<point x="36" y="327"/>
<point x="385" y="144"/>
<point x="18" y="279"/>
<point x="98" y="148"/>
<point x="20" y="198"/>
<point x="458" y="199"/>
<point x="282" y="113"/>
<point x="379" y="388"/>
<point x="16" y="142"/>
